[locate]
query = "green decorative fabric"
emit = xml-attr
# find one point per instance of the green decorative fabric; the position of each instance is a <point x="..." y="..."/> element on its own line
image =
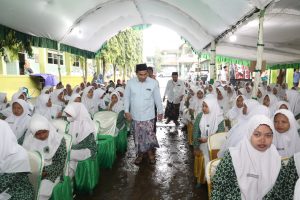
<point x="45" y="42"/>
<point x="225" y="59"/>
<point x="121" y="141"/>
<point x="106" y="151"/>
<point x="63" y="190"/>
<point x="89" y="142"/>
<point x="283" y="66"/>
<point x="225" y="184"/>
<point x="197" y="132"/>
<point x="76" y="51"/>
<point x="18" y="184"/>
<point x="56" y="169"/>
<point x="87" y="175"/>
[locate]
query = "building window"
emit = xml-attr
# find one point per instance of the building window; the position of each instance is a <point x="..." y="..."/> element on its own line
<point x="53" y="58"/>
<point x="76" y="62"/>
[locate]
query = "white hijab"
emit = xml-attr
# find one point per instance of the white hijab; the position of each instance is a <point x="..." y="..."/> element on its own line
<point x="42" y="108"/>
<point x="256" y="171"/>
<point x="209" y="122"/>
<point x="280" y="103"/>
<point x="263" y="94"/>
<point x="223" y="103"/>
<point x="234" y="113"/>
<point x="122" y="90"/>
<point x="73" y="97"/>
<point x="197" y="103"/>
<point x="119" y="106"/>
<point x="293" y="98"/>
<point x="54" y="97"/>
<point x="13" y="157"/>
<point x="273" y="101"/>
<point x="99" y="99"/>
<point x="46" y="147"/>
<point x="242" y="91"/>
<point x="232" y="95"/>
<point x="287" y="143"/>
<point x="81" y="124"/>
<point x="19" y="124"/>
<point x="89" y="103"/>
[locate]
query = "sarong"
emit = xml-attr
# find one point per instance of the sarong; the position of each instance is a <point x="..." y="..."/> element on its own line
<point x="172" y="111"/>
<point x="144" y="136"/>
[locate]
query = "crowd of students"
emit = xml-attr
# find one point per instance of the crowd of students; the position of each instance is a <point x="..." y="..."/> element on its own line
<point x="27" y="126"/>
<point x="262" y="130"/>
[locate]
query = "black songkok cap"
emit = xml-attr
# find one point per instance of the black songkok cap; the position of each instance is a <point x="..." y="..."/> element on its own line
<point x="141" y="67"/>
<point x="175" y="73"/>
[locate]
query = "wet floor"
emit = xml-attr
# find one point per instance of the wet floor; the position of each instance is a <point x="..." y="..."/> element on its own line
<point x="170" y="178"/>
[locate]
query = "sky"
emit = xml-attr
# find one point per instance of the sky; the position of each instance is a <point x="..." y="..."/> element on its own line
<point x="159" y="37"/>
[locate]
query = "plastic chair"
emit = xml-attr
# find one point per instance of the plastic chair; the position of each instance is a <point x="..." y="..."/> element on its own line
<point x="214" y="143"/>
<point x="210" y="171"/>
<point x="63" y="190"/>
<point x="105" y="123"/>
<point x="36" y="161"/>
<point x="60" y="125"/>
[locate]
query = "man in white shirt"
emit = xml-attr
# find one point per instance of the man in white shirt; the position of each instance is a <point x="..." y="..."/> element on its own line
<point x="174" y="92"/>
<point x="141" y="95"/>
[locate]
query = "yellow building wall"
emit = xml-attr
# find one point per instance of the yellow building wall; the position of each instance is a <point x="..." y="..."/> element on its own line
<point x="289" y="77"/>
<point x="12" y="83"/>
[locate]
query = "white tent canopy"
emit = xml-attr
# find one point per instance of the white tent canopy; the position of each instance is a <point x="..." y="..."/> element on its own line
<point x="88" y="24"/>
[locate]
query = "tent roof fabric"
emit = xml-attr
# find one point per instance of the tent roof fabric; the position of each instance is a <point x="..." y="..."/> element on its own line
<point x="87" y="25"/>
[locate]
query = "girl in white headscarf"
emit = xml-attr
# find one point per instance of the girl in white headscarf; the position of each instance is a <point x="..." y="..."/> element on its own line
<point x="293" y="97"/>
<point x="99" y="99"/>
<point x="44" y="138"/>
<point x="236" y="134"/>
<point x="261" y="93"/>
<point x="115" y="105"/>
<point x="286" y="137"/>
<point x="3" y="100"/>
<point x="237" y="110"/>
<point x="45" y="107"/>
<point x="76" y="90"/>
<point x="282" y="105"/>
<point x="208" y="122"/>
<point x="252" y="170"/>
<point x="14" y="167"/>
<point x="196" y="105"/>
<point x="121" y="91"/>
<point x="248" y="93"/>
<point x="57" y="97"/>
<point x="231" y="95"/>
<point x="75" y="98"/>
<point x="88" y="100"/>
<point x="211" y="90"/>
<point x="270" y="101"/>
<point x="19" y="119"/>
<point x="222" y="99"/>
<point x="82" y="129"/>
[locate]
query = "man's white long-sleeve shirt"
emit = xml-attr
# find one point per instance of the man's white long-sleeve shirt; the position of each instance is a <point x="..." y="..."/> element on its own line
<point x="174" y="90"/>
<point x="140" y="98"/>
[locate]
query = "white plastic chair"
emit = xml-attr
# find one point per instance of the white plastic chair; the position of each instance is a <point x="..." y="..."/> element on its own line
<point x="60" y="125"/>
<point x="210" y="171"/>
<point x="107" y="121"/>
<point x="215" y="142"/>
<point x="36" y="161"/>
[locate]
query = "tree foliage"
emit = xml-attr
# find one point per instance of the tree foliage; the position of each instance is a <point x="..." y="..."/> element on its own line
<point x="123" y="51"/>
